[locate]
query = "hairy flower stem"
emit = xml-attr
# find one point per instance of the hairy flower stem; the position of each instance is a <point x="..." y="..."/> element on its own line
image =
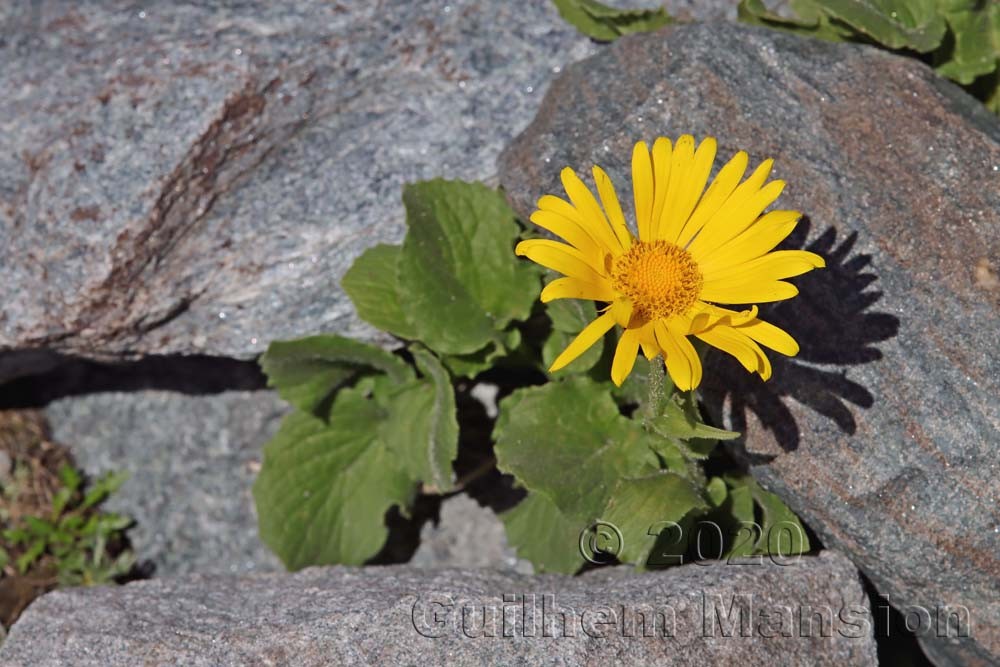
<point x="654" y="384"/>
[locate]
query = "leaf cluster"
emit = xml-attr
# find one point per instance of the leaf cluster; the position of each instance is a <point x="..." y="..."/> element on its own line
<point x="75" y="537"/>
<point x="959" y="38"/>
<point x="372" y="429"/>
<point x="605" y="24"/>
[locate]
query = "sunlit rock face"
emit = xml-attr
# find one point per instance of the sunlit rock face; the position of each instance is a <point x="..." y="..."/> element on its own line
<point x="196" y="177"/>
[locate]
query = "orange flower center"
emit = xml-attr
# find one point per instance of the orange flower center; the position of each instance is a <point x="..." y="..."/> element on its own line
<point x="660" y="278"/>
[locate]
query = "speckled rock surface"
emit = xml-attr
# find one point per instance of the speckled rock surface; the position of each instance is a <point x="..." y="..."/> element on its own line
<point x="196" y="177"/>
<point x="884" y="434"/>
<point x="192" y="461"/>
<point x="812" y="613"/>
<point x="466" y="535"/>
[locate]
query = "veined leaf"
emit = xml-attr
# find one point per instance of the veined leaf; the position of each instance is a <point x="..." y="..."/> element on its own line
<point x="782" y="532"/>
<point x="977" y="43"/>
<point x="806" y="18"/>
<point x="641" y="508"/>
<point x="897" y="24"/>
<point x="372" y="283"/>
<point x="604" y="24"/>
<point x="544" y="535"/>
<point x="307" y="371"/>
<point x="459" y="280"/>
<point x="568" y="441"/>
<point x="324" y="488"/>
<point x="421" y="428"/>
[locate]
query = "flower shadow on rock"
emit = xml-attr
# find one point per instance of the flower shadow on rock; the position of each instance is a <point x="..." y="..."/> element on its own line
<point x="835" y="327"/>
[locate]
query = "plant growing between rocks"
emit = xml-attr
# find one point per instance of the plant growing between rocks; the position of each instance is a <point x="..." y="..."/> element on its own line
<point x="960" y="39"/>
<point x="593" y="441"/>
<point x="52" y="531"/>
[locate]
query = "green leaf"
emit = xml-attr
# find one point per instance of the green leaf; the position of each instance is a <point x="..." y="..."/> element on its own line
<point x="641" y="507"/>
<point x="4" y="558"/>
<point x="782" y="532"/>
<point x="59" y="501"/>
<point x="544" y="535"/>
<point x="460" y="282"/>
<point x="569" y="441"/>
<point x="977" y="43"/>
<point x="69" y="477"/>
<point x="373" y="285"/>
<point x="103" y="488"/>
<point x="604" y="24"/>
<point x="421" y="428"/>
<point x="306" y="372"/>
<point x="569" y="317"/>
<point x="806" y="18"/>
<point x="896" y="24"/>
<point x="716" y="491"/>
<point x="471" y="365"/>
<point x="25" y="560"/>
<point x="324" y="488"/>
<point x="677" y="422"/>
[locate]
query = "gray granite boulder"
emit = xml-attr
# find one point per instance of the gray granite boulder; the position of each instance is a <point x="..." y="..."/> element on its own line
<point x="814" y="612"/>
<point x="191" y="461"/>
<point x="466" y="535"/>
<point x="884" y="433"/>
<point x="196" y="177"/>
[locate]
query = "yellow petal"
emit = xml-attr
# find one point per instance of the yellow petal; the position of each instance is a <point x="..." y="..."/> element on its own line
<point x="763" y="292"/>
<point x="701" y="167"/>
<point x="559" y="257"/>
<point x="770" y="230"/>
<point x="770" y="336"/>
<point x="662" y="154"/>
<point x="575" y="288"/>
<point x="772" y="266"/>
<point x="682" y="360"/>
<point x="553" y="204"/>
<point x="571" y="232"/>
<point x="734" y="217"/>
<point x="678" y="203"/>
<point x="625" y="354"/>
<point x="738" y="345"/>
<point x="591" y="217"/>
<point x="621" y="311"/>
<point x="708" y="316"/>
<point x="590" y="335"/>
<point x="606" y="189"/>
<point x="718" y="192"/>
<point x="736" y="199"/>
<point x="647" y="341"/>
<point x="642" y="189"/>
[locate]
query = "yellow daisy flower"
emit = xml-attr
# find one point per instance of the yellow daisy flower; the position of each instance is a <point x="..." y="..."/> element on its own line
<point x="695" y="248"/>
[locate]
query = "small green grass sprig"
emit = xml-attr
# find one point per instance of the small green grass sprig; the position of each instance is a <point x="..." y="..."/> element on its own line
<point x="74" y="537"/>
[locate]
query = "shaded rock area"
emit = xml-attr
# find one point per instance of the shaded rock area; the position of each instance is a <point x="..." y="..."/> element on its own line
<point x="883" y="433"/>
<point x="191" y="461"/>
<point x="196" y="177"/>
<point x="397" y="615"/>
<point x="466" y="535"/>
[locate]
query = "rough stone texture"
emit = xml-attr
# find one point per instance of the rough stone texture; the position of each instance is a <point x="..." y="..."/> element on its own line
<point x="383" y="616"/>
<point x="467" y="535"/>
<point x="192" y="461"/>
<point x="883" y="434"/>
<point x="196" y="177"/>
